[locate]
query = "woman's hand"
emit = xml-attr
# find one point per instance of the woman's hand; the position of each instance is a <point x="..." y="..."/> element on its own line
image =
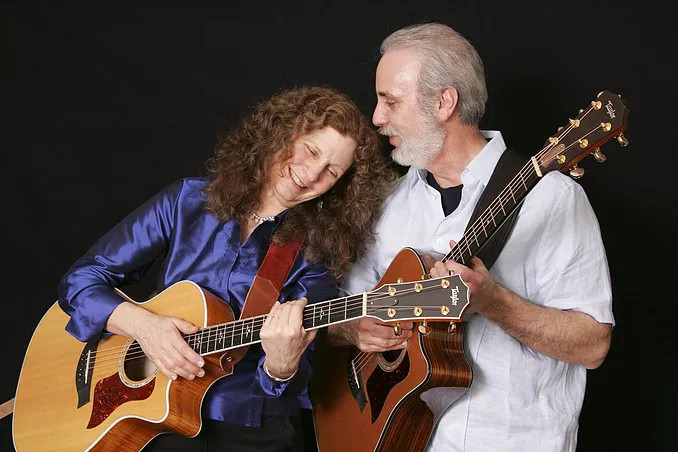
<point x="284" y="339"/>
<point x="160" y="338"/>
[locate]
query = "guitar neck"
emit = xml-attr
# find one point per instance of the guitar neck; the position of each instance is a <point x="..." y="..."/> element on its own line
<point x="604" y="118"/>
<point x="482" y="229"/>
<point x="239" y="333"/>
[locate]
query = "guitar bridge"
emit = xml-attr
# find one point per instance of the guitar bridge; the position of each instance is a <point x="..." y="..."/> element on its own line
<point x="353" y="375"/>
<point x="83" y="374"/>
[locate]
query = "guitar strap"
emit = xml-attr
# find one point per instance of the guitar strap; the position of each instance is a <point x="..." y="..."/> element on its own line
<point x="269" y="280"/>
<point x="509" y="164"/>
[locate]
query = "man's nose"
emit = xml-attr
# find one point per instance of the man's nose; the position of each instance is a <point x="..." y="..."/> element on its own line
<point x="379" y="116"/>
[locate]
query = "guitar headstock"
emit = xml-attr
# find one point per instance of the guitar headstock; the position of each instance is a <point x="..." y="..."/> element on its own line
<point x="436" y="299"/>
<point x="603" y="119"/>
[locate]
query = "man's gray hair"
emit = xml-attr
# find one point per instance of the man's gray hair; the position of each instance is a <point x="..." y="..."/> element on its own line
<point x="447" y="59"/>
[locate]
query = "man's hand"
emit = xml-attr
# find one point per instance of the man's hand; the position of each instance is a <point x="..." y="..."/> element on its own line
<point x="284" y="338"/>
<point x="369" y="335"/>
<point x="570" y="336"/>
<point x="477" y="277"/>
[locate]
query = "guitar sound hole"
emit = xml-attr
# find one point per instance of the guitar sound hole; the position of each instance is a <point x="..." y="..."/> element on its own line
<point x="391" y="356"/>
<point x="136" y="365"/>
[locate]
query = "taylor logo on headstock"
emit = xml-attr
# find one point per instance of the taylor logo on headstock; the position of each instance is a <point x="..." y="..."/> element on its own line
<point x="455" y="295"/>
<point x="610" y="109"/>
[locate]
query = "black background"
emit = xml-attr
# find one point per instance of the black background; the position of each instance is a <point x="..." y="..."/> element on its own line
<point x="105" y="104"/>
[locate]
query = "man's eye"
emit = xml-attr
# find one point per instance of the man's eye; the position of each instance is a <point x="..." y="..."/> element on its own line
<point x="333" y="173"/>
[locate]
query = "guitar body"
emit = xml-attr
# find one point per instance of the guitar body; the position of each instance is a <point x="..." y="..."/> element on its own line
<point x="367" y="402"/>
<point x="61" y="405"/>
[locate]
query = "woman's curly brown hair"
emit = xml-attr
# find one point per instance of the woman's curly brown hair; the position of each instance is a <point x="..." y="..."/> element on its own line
<point x="340" y="231"/>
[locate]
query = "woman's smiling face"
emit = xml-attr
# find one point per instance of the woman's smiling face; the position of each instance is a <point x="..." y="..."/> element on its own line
<point x="317" y="162"/>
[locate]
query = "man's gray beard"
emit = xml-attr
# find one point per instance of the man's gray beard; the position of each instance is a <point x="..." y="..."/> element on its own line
<point x="419" y="152"/>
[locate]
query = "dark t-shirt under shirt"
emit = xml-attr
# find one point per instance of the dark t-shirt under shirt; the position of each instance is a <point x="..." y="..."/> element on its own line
<point x="450" y="197"/>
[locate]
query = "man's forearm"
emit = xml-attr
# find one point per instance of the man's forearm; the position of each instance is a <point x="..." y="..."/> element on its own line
<point x="569" y="336"/>
<point x="337" y="336"/>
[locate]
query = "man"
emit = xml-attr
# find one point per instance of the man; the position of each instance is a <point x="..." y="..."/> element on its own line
<point x="543" y="315"/>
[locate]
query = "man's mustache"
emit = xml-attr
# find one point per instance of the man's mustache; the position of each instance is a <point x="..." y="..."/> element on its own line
<point x="388" y="131"/>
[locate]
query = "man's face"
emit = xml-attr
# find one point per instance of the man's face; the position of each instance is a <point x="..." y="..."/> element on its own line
<point x="415" y="135"/>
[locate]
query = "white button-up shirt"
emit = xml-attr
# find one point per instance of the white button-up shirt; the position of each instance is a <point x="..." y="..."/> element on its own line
<point x="519" y="400"/>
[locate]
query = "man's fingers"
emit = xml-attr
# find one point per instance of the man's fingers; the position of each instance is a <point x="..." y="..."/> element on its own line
<point x="448" y="268"/>
<point x="383" y="346"/>
<point x="439" y="270"/>
<point x="477" y="264"/>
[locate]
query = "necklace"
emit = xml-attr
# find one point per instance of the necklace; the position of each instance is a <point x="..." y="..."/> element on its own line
<point x="259" y="220"/>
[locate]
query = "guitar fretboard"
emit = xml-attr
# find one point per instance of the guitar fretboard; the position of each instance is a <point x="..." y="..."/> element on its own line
<point x="218" y="338"/>
<point x="494" y="216"/>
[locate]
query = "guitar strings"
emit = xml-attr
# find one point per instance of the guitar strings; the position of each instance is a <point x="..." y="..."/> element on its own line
<point x="240" y="325"/>
<point x="212" y="338"/>
<point x="197" y="338"/>
<point x="363" y="358"/>
<point x="508" y="192"/>
<point x="505" y="194"/>
<point x="254" y="323"/>
<point x="194" y="340"/>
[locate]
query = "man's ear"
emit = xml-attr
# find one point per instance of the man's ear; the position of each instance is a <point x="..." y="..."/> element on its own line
<point x="447" y="103"/>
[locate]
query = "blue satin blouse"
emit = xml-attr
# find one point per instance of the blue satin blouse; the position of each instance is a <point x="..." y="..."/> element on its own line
<point x="198" y="247"/>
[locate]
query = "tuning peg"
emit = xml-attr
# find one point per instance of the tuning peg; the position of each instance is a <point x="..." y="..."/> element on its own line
<point x="397" y="330"/>
<point x="452" y="329"/>
<point x="598" y="154"/>
<point x="577" y="172"/>
<point x="424" y="328"/>
<point x="622" y="140"/>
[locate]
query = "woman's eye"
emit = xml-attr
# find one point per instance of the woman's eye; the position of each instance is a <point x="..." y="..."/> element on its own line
<point x="313" y="153"/>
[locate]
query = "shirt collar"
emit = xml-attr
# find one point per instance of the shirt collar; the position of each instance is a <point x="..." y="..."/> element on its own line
<point x="482" y="165"/>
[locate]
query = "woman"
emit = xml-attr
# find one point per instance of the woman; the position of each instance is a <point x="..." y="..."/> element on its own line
<point x="305" y="164"/>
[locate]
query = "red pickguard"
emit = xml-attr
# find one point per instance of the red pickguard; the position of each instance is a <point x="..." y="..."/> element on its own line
<point x="110" y="393"/>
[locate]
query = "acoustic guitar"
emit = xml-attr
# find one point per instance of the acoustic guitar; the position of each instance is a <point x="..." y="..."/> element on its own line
<point x="105" y="395"/>
<point x="371" y="401"/>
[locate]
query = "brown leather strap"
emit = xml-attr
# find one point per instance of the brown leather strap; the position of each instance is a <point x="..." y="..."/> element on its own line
<point x="6" y="408"/>
<point x="270" y="278"/>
